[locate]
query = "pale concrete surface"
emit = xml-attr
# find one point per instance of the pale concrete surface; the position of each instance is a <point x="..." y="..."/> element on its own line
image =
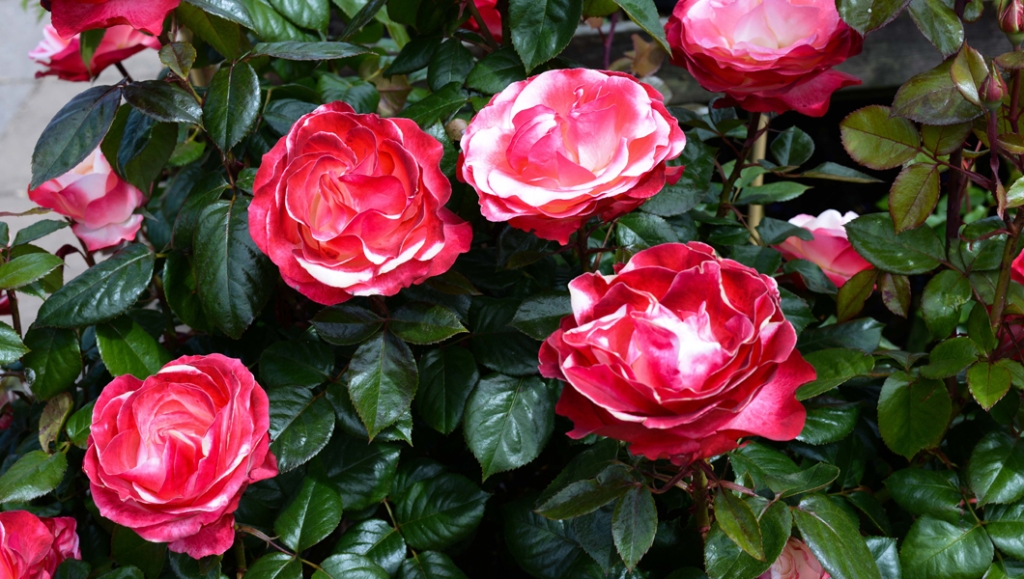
<point x="26" y="106"/>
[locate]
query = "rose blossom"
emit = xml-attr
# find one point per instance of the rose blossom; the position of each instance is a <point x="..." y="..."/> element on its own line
<point x="349" y="204"/>
<point x="550" y="152"/>
<point x="73" y="16"/>
<point x="796" y="562"/>
<point x="62" y="57"/>
<point x="170" y="457"/>
<point x="32" y="547"/>
<point x="830" y="249"/>
<point x="765" y="55"/>
<point x="680" y="353"/>
<point x="101" y="204"/>
<point x="489" y="13"/>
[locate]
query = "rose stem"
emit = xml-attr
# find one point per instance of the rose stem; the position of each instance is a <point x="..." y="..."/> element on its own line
<point x="760" y="150"/>
<point x="12" y="300"/>
<point x="954" y="198"/>
<point x="999" y="303"/>
<point x="700" y="502"/>
<point x="726" y="197"/>
<point x="124" y="71"/>
<point x="484" y="31"/>
<point x="608" y="40"/>
<point x="240" y="557"/>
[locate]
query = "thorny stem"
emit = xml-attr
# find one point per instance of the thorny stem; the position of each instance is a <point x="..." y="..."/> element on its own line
<point x="993" y="143"/>
<point x="954" y="199"/>
<point x="609" y="39"/>
<point x="700" y="502"/>
<point x="12" y="301"/>
<point x="270" y="542"/>
<point x="753" y="133"/>
<point x="240" y="557"/>
<point x="484" y="31"/>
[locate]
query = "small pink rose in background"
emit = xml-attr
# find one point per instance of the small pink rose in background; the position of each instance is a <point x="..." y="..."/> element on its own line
<point x="62" y="57"/>
<point x="71" y="17"/>
<point x="830" y="249"/>
<point x="796" y="562"/>
<point x="170" y="457"/>
<point x="681" y="353"/>
<point x="350" y="204"/>
<point x="550" y="152"/>
<point x="32" y="547"/>
<point x="101" y="204"/>
<point x="491" y="17"/>
<point x="765" y="55"/>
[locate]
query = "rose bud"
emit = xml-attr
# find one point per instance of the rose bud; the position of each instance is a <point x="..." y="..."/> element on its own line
<point x="62" y="57"/>
<point x="681" y="354"/>
<point x="830" y="249"/>
<point x="796" y="562"/>
<point x="32" y="547"/>
<point x="993" y="89"/>
<point x="100" y="203"/>
<point x="550" y="152"/>
<point x="771" y="56"/>
<point x="73" y="16"/>
<point x="350" y="204"/>
<point x="170" y="457"/>
<point x="1011" y="20"/>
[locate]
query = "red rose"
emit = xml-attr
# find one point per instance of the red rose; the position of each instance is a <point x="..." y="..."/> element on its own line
<point x="32" y="548"/>
<point x="550" y="152"/>
<point x="350" y="204"/>
<point x="62" y="57"/>
<point x="770" y="56"/>
<point x="169" y="457"/>
<point x="73" y="16"/>
<point x="489" y="13"/>
<point x="681" y="354"/>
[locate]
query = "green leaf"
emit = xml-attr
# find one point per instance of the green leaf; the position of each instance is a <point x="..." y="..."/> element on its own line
<point x="430" y="565"/>
<point x="692" y="186"/>
<point x="949" y="358"/>
<point x="361" y="473"/>
<point x="508" y="421"/>
<point x="300" y="425"/>
<point x="988" y="383"/>
<point x="540" y="315"/>
<point x="640" y="230"/>
<point x="450" y="63"/>
<point x="585" y="496"/>
<point x="634" y="525"/>
<point x="968" y="72"/>
<point x="834" y="539"/>
<point x="38" y="230"/>
<point x="724" y="558"/>
<point x="814" y="278"/>
<point x="738" y="521"/>
<point x="587" y="464"/>
<point x="541" y="30"/>
<point x="926" y="492"/>
<point x="863" y="334"/>
<point x="271" y="25"/>
<point x="645" y="14"/>
<point x="980" y="330"/>
<point x="764" y="259"/>
<point x="816" y="478"/>
<point x="33" y="475"/>
<point x="912" y="414"/>
<point x="996" y="470"/>
<point x="346" y="325"/>
<point x="233" y="277"/>
<point x="163" y="101"/>
<point x="909" y="253"/>
<point x="362" y="95"/>
<point x="315" y="14"/>
<point x="128" y="548"/>
<point x="775" y="231"/>
<point x="232" y="10"/>
<point x="26" y="269"/>
<point x="232" y="105"/>
<point x="11" y="346"/>
<point x="943" y="297"/>
<point x="89" y="41"/>
<point x="914" y="195"/>
<point x="179" y="57"/>
<point x="828" y="424"/>
<point x="308" y="50"/>
<point x="304" y="363"/>
<point x="447" y="376"/>
<point x="381" y="381"/>
<point x="438" y="512"/>
<point x="425" y="324"/>
<point x="416" y="55"/>
<point x="126" y="348"/>
<point x="74" y="133"/>
<point x="777" y="192"/>
<point x="495" y="343"/>
<point x="103" y="292"/>
<point x="313" y="514"/>
<point x="852" y="295"/>
<point x="437" y="106"/>
<point x="935" y="548"/>
<point x="867" y="15"/>
<point x="872" y="509"/>
<point x="144" y="149"/>
<point x="349" y="566"/>
<point x="542" y="547"/>
<point x="1005" y="526"/>
<point x="275" y="566"/>
<point x="932" y="98"/>
<point x="943" y="140"/>
<point x="876" y="139"/>
<point x="792" y="147"/>
<point x="79" y="425"/>
<point x="494" y="72"/>
<point x="834" y="367"/>
<point x="54" y="359"/>
<point x="364" y="16"/>
<point x="377" y="540"/>
<point x="939" y="24"/>
<point x="214" y="27"/>
<point x="834" y="172"/>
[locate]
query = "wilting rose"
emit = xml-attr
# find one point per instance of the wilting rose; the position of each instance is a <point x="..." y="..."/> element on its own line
<point x="73" y="16"/>
<point x="350" y="204"/>
<point x="100" y="203"/>
<point x="680" y="353"/>
<point x="62" y="57"/>
<point x="796" y="562"/>
<point x="830" y="249"/>
<point x="33" y="547"/>
<point x="550" y="152"/>
<point x="765" y="55"/>
<point x="169" y="457"/>
<point x="491" y="17"/>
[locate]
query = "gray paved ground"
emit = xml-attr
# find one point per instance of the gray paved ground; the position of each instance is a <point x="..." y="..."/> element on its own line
<point x="26" y="106"/>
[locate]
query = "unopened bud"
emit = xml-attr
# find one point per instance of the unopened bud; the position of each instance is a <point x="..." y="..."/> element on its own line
<point x="1011" y="20"/>
<point x="456" y="129"/>
<point x="993" y="89"/>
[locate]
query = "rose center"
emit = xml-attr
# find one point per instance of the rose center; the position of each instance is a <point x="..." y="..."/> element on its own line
<point x="767" y="24"/>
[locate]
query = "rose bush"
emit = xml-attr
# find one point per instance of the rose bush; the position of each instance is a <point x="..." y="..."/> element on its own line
<point x="62" y="57"/>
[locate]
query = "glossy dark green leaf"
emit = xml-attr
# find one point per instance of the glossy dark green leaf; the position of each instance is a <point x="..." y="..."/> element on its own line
<point x="229" y="9"/>
<point x="163" y="101"/>
<point x="996" y="469"/>
<point x="775" y="231"/>
<point x="38" y="230"/>
<point x="585" y="496"/>
<point x="939" y="24"/>
<point x="1005" y="526"/>
<point x="377" y="540"/>
<point x="634" y="525"/>
<point x="988" y="384"/>
<point x="725" y="560"/>
<point x="828" y="424"/>
<point x="932" y="98"/>
<point x="496" y="344"/>
<point x="867" y="15"/>
<point x="943" y="297"/>
<point x="544" y="548"/>
<point x="26" y="269"/>
<point x="854" y="293"/>
<point x="447" y="376"/>
<point x="300" y="425"/>
<point x="312" y="515"/>
<point x="305" y="363"/>
<point x="275" y="565"/>
<point x="540" y="315"/>
<point x="308" y="50"/>
<point x="349" y="566"/>
<point x="738" y="522"/>
<point x="792" y="147"/>
<point x="232" y="104"/>
<point x="438" y="106"/>
<point x="272" y="26"/>
<point x="541" y="30"/>
<point x="862" y="334"/>
<point x="495" y="71"/>
<point x="878" y="140"/>
<point x="74" y="133"/>
<point x="438" y="512"/>
<point x="926" y="492"/>
<point x="950" y="357"/>
<point x="914" y="195"/>
<point x="645" y="14"/>
<point x="214" y="27"/>
<point x="430" y="565"/>
<point x="425" y="324"/>
<point x="830" y="171"/>
<point x="834" y="539"/>
<point x="834" y="367"/>
<point x="361" y="472"/>
<point x="54" y="360"/>
<point x="79" y="425"/>
<point x="912" y="413"/>
<point x="381" y="380"/>
<point x="909" y="253"/>
<point x="979" y="330"/>
<point x="33" y="475"/>
<point x="346" y="325"/>
<point x="126" y="348"/>
<point x="935" y="548"/>
<point x="11" y="346"/>
<point x="282" y="114"/>
<point x="314" y="14"/>
<point x="450" y="63"/>
<point x="812" y="275"/>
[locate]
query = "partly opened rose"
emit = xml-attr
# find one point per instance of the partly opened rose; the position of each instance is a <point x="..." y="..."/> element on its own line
<point x="552" y="151"/>
<point x="33" y="547"/>
<point x="830" y="249"/>
<point x="350" y="204"/>
<point x="796" y="562"/>
<point x="681" y="354"/>
<point x="101" y="204"/>
<point x="169" y="457"/>
<point x="73" y="16"/>
<point x="62" y="57"/>
<point x="765" y="55"/>
<point x="490" y="15"/>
